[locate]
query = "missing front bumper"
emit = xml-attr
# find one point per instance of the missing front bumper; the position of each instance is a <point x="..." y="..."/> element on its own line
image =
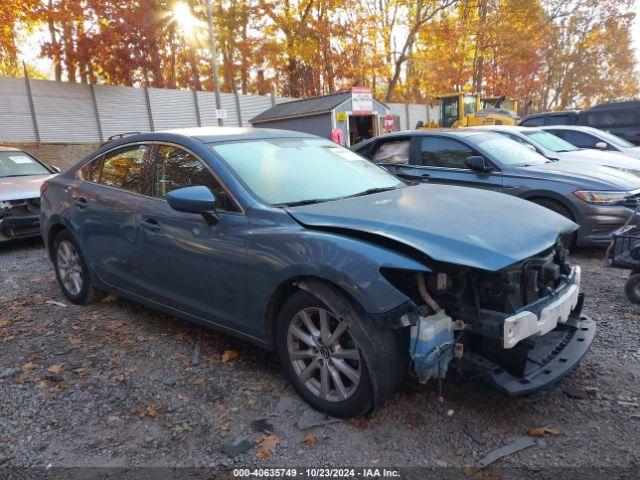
<point x="553" y="356"/>
<point x="19" y="227"/>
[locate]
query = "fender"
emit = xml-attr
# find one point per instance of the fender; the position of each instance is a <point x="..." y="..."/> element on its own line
<point x="278" y="256"/>
<point x="552" y="196"/>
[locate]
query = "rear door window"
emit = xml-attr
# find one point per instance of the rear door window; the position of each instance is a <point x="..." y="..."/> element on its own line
<point x="122" y="168"/>
<point x="533" y="122"/>
<point x="443" y="153"/>
<point x="558" y="120"/>
<point x="90" y="171"/>
<point x="177" y="168"/>
<point x="579" y="139"/>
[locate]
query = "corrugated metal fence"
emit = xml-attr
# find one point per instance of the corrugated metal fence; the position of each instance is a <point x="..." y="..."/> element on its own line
<point x="61" y="112"/>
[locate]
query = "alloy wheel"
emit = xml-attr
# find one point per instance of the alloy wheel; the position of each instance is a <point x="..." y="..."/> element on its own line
<point x="323" y="354"/>
<point x="69" y="267"/>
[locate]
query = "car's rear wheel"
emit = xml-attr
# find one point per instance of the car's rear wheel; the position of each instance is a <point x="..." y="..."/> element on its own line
<point x="71" y="270"/>
<point x="325" y="358"/>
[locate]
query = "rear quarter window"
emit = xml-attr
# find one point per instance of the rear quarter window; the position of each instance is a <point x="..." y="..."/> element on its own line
<point x="122" y="168"/>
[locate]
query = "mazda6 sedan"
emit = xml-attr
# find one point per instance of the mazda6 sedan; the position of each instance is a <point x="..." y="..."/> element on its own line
<point x="355" y="277"/>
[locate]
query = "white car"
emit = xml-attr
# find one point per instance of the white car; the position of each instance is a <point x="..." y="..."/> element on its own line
<point x="21" y="177"/>
<point x="555" y="148"/>
<point x="594" y="138"/>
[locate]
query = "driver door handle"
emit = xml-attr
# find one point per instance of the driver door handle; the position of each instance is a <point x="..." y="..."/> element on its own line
<point x="150" y="224"/>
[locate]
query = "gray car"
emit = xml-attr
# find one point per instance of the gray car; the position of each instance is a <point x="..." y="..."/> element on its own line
<point x="21" y="176"/>
<point x="299" y="245"/>
<point x="594" y="139"/>
<point x="600" y="199"/>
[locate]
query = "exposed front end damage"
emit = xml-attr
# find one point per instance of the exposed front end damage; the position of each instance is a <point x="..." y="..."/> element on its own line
<point x="519" y="328"/>
<point x="19" y="219"/>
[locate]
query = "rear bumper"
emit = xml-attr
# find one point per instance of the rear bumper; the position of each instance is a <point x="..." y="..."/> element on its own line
<point x="554" y="355"/>
<point x="19" y="227"/>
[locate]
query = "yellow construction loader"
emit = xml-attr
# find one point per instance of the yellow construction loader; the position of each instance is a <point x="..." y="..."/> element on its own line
<point x="467" y="110"/>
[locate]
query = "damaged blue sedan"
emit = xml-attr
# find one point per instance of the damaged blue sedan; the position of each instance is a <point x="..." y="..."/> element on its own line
<point x="355" y="277"/>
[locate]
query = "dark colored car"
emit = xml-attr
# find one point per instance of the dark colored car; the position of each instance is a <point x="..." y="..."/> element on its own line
<point x="21" y="176"/>
<point x="302" y="246"/>
<point x="599" y="198"/>
<point x="564" y="117"/>
<point x="620" y="118"/>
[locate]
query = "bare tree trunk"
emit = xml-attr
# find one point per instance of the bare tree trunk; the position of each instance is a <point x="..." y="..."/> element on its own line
<point x="57" y="64"/>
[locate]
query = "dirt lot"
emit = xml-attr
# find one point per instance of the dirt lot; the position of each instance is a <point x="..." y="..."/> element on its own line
<point x="112" y="384"/>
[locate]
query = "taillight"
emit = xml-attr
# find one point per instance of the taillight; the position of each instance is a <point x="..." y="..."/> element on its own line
<point x="43" y="188"/>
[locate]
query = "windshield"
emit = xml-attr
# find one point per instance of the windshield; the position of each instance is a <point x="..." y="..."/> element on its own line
<point x="506" y="151"/>
<point x="616" y="140"/>
<point x="550" y="141"/>
<point x="299" y="170"/>
<point x="18" y="164"/>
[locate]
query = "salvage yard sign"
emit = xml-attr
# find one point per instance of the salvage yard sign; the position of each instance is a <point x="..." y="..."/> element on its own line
<point x="361" y="100"/>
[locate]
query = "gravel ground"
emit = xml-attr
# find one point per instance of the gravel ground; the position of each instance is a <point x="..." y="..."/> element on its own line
<point x="112" y="384"/>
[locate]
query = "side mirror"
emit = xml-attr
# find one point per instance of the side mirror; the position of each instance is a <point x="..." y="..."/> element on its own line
<point x="477" y="164"/>
<point x="195" y="200"/>
<point x="602" y="145"/>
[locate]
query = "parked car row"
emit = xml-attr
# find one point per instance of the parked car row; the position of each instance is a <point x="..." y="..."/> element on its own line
<point x="356" y="272"/>
<point x="357" y="275"/>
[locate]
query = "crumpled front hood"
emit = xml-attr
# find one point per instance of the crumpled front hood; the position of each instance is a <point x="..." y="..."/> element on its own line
<point x="458" y="225"/>
<point x="21" y="188"/>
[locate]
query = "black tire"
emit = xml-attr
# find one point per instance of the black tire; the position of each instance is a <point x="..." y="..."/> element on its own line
<point x="375" y="384"/>
<point x="632" y="288"/>
<point x="87" y="293"/>
<point x="568" y="241"/>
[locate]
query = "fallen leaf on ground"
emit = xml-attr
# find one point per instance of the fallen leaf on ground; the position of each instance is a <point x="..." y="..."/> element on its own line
<point x="184" y="398"/>
<point x="224" y="428"/>
<point x="113" y="418"/>
<point x="115" y="325"/>
<point x="199" y="381"/>
<point x="415" y="419"/>
<point x="147" y="412"/>
<point x="267" y="447"/>
<point x="311" y="439"/>
<point x="501" y="431"/>
<point x="81" y="370"/>
<point x="55" y="369"/>
<point x="28" y="366"/>
<point x="229" y="355"/>
<point x="593" y="391"/>
<point x="541" y="431"/>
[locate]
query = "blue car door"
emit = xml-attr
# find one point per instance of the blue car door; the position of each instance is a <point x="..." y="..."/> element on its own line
<point x="442" y="160"/>
<point x="187" y="263"/>
<point x="103" y="208"/>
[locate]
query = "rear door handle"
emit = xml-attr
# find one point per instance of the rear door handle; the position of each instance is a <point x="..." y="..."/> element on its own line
<point x="150" y="224"/>
<point x="81" y="203"/>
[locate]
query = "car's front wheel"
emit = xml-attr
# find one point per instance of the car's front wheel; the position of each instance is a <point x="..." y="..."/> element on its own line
<point x="71" y="270"/>
<point x="325" y="357"/>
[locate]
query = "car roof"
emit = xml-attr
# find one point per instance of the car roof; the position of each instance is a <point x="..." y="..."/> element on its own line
<point x="583" y="128"/>
<point x="453" y="132"/>
<point x="206" y="135"/>
<point x="225" y="134"/>
<point x="552" y="114"/>
<point x="505" y="128"/>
